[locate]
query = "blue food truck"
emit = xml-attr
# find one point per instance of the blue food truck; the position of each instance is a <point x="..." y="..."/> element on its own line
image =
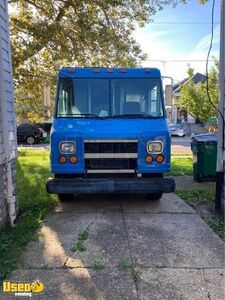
<point x="110" y="133"/>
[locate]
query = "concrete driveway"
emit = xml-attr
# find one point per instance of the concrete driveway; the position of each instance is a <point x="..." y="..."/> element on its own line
<point x="132" y="249"/>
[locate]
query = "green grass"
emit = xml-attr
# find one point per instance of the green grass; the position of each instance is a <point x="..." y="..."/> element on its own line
<point x="197" y="198"/>
<point x="34" y="204"/>
<point x="181" y="165"/>
<point x="216" y="223"/>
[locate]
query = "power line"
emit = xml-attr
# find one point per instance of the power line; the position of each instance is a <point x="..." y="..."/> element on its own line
<point x="179" y="60"/>
<point x="188" y="23"/>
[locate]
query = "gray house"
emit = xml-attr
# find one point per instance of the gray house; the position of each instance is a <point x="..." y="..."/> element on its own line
<point x="8" y="142"/>
<point x="185" y="116"/>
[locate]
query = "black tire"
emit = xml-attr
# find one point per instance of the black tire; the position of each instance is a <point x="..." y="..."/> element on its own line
<point x="154" y="197"/>
<point x="30" y="140"/>
<point x="65" y="197"/>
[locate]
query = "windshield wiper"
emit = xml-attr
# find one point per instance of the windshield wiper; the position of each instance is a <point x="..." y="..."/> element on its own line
<point x="80" y="115"/>
<point x="136" y="116"/>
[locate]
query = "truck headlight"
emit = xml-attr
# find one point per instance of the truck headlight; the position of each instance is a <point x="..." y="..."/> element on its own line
<point x="155" y="147"/>
<point x="67" y="147"/>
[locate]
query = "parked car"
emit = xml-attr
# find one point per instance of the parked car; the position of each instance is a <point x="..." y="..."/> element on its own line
<point x="30" y="134"/>
<point x="176" y="130"/>
<point x="46" y="126"/>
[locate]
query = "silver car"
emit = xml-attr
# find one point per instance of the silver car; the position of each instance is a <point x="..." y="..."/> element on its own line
<point x="176" y="130"/>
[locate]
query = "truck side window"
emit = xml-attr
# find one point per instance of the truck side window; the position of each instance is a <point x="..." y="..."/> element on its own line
<point x="65" y="101"/>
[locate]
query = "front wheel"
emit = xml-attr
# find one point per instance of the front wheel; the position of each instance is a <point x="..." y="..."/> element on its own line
<point x="65" y="197"/>
<point x="154" y="197"/>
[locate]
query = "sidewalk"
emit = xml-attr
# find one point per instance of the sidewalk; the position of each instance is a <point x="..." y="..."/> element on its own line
<point x="135" y="249"/>
<point x="186" y="182"/>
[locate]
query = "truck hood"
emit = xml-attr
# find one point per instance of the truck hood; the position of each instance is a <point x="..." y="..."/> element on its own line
<point x="90" y="128"/>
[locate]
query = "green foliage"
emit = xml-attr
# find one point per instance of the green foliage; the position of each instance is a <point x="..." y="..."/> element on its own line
<point x="34" y="204"/>
<point x="46" y="34"/>
<point x="29" y="98"/>
<point x="194" y="97"/>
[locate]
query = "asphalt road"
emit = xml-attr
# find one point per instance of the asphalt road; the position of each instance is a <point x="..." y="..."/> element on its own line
<point x="181" y="145"/>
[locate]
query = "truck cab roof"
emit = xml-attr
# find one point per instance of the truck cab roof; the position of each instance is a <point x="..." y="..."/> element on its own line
<point x="100" y="72"/>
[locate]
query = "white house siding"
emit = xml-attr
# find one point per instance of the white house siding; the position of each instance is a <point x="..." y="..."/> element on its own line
<point x="8" y="143"/>
<point x="222" y="200"/>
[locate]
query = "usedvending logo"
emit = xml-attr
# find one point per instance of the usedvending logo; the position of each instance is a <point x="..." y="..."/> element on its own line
<point x="23" y="288"/>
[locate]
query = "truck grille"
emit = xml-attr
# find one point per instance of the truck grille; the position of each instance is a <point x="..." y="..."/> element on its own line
<point x="110" y="147"/>
<point x="110" y="156"/>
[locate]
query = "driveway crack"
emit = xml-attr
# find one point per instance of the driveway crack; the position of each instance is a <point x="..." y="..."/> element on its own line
<point x="133" y="273"/>
<point x="208" y="293"/>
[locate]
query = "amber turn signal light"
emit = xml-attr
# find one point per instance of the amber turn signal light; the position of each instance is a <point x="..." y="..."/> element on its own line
<point x="62" y="159"/>
<point x="149" y="159"/>
<point x="73" y="159"/>
<point x="160" y="158"/>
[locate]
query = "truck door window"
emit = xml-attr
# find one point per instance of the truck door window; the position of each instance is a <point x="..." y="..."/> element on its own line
<point x="65" y="101"/>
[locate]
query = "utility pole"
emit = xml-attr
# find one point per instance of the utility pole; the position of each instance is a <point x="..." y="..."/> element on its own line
<point x="47" y="100"/>
<point x="220" y="168"/>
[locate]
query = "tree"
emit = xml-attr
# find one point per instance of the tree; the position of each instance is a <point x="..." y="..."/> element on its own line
<point x="46" y="34"/>
<point x="194" y="97"/>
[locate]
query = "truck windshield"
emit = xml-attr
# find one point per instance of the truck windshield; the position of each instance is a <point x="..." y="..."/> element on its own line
<point x="110" y="97"/>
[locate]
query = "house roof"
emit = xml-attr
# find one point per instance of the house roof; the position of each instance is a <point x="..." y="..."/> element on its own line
<point x="196" y="78"/>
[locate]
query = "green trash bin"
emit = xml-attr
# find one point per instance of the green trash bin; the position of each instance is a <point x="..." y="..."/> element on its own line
<point x="204" y="149"/>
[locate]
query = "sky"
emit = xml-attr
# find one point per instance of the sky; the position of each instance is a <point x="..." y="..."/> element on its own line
<point x="180" y="33"/>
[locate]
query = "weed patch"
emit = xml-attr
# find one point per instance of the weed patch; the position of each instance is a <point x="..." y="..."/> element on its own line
<point x="134" y="270"/>
<point x="82" y="238"/>
<point x="98" y="265"/>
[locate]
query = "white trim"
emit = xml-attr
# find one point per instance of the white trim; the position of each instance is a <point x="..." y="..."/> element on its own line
<point x="110" y="141"/>
<point x="110" y="171"/>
